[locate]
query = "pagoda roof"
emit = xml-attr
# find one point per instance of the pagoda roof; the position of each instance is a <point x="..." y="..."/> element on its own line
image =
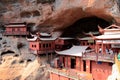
<point x="86" y="38"/>
<point x="45" y="34"/>
<point x="112" y="29"/>
<point x="110" y="37"/>
<point x="111" y="32"/>
<point x="65" y="38"/>
<point x="16" y="25"/>
<point x="113" y="26"/>
<point x="43" y="39"/>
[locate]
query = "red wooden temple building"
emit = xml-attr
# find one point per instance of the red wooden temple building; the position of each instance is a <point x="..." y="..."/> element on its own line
<point x="71" y="64"/>
<point x="15" y="29"/>
<point x="96" y="61"/>
<point x="109" y="41"/>
<point x="42" y="43"/>
<point x="63" y="43"/>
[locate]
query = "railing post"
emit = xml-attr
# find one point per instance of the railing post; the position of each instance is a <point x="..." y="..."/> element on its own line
<point x="96" y="56"/>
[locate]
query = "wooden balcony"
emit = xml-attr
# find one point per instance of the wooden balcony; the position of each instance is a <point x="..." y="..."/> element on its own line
<point x="16" y="33"/>
<point x="41" y="51"/>
<point x="45" y="51"/>
<point x="71" y="74"/>
<point x="98" y="57"/>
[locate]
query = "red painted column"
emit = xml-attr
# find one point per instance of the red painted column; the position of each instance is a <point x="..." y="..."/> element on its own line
<point x="69" y="62"/>
<point x="102" y="47"/>
<point x="66" y="62"/>
<point x="78" y="63"/>
<point x="61" y="58"/>
<point x="82" y="65"/>
<point x="88" y="66"/>
<point x="96" y="48"/>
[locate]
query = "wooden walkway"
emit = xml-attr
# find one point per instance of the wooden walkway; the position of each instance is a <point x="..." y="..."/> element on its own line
<point x="71" y="74"/>
<point x="99" y="57"/>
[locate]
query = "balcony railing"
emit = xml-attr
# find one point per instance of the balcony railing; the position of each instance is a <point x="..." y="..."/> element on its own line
<point x="99" y="57"/>
<point x="16" y="33"/>
<point x="72" y="74"/>
<point x="45" y="51"/>
<point x="41" y="51"/>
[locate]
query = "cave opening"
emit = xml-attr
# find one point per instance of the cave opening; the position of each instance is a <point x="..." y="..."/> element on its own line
<point x="36" y="13"/>
<point x="25" y="15"/>
<point x="7" y="52"/>
<point x="85" y="25"/>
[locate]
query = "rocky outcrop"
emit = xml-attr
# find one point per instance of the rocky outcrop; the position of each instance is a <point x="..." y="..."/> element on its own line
<point x="60" y="14"/>
<point x="13" y="68"/>
<point x="11" y="43"/>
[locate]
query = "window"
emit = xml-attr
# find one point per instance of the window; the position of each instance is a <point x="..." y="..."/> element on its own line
<point x="49" y="45"/>
<point x="33" y="45"/>
<point x="73" y="62"/>
<point x="46" y="45"/>
<point x="91" y="43"/>
<point x="87" y="43"/>
<point x="83" y="43"/>
<point x="43" y="45"/>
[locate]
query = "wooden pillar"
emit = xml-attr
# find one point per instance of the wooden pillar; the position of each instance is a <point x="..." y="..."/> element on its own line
<point x="88" y="66"/>
<point x="66" y="62"/>
<point x="82" y="65"/>
<point x="102" y="47"/>
<point x="61" y="58"/>
<point x="51" y="56"/>
<point x="78" y="63"/>
<point x="96" y="48"/>
<point x="69" y="62"/>
<point x="47" y="56"/>
<point x="37" y="53"/>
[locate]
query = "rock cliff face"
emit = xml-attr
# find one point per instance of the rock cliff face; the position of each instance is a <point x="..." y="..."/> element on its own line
<point x="59" y="14"/>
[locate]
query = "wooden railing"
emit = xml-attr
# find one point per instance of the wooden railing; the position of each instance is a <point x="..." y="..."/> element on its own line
<point x="45" y="51"/>
<point x="41" y="51"/>
<point x="71" y="74"/>
<point x="99" y="57"/>
<point x="16" y="33"/>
